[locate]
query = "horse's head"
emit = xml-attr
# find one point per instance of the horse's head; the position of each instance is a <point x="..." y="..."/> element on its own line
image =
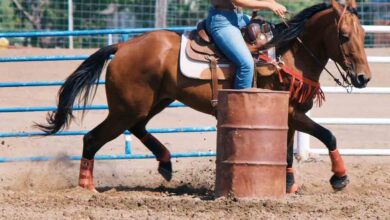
<point x="345" y="43"/>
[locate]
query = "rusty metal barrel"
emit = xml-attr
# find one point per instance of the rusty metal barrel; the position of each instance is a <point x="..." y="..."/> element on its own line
<point x="251" y="143"/>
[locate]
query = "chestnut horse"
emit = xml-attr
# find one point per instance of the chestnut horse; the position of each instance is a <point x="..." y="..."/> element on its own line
<point x="144" y="78"/>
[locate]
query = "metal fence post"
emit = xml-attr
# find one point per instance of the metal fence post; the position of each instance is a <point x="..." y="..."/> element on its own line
<point x="128" y="141"/>
<point x="161" y="13"/>
<point x="70" y="22"/>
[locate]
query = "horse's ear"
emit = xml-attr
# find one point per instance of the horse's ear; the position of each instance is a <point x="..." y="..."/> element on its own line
<point x="337" y="7"/>
<point x="352" y="3"/>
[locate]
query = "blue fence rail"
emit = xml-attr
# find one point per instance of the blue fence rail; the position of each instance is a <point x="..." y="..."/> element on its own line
<point x="36" y="83"/>
<point x="78" y="133"/>
<point x="43" y="58"/>
<point x="91" y="32"/>
<point x="128" y="151"/>
<point x="76" y="108"/>
<point x="110" y="157"/>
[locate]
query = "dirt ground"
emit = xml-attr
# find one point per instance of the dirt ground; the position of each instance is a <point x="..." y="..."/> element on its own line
<point x="132" y="189"/>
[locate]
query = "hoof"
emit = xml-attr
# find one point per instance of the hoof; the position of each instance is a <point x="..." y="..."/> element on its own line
<point x="291" y="186"/>
<point x="339" y="183"/>
<point x="293" y="189"/>
<point x="165" y="169"/>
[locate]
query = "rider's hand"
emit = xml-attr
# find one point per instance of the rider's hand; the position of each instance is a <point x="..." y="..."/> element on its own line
<point x="278" y="9"/>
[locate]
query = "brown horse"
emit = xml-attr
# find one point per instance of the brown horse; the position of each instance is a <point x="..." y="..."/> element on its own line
<point x="144" y="78"/>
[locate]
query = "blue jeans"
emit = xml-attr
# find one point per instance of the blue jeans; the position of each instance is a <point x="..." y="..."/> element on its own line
<point x="224" y="27"/>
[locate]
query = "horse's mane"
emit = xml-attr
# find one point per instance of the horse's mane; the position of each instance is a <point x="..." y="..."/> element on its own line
<point x="283" y="35"/>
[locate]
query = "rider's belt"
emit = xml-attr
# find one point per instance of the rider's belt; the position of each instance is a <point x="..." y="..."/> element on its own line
<point x="220" y="8"/>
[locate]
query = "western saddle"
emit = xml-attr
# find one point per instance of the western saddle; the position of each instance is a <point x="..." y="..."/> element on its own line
<point x="201" y="47"/>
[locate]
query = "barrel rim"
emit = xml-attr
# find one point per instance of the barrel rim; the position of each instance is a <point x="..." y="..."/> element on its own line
<point x="251" y="127"/>
<point x="274" y="163"/>
<point x="253" y="90"/>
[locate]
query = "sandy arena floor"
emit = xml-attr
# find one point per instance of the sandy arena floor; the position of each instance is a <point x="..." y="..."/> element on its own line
<point x="134" y="190"/>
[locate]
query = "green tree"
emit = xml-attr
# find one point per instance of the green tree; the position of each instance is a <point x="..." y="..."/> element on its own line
<point x="7" y="19"/>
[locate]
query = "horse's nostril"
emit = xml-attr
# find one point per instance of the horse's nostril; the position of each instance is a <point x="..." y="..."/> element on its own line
<point x="363" y="79"/>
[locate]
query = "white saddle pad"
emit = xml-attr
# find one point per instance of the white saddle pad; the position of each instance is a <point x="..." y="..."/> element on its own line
<point x="192" y="68"/>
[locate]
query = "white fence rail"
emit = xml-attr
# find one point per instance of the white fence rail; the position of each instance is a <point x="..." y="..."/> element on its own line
<point x="355" y="152"/>
<point x="352" y="121"/>
<point x="377" y="28"/>
<point x="373" y="90"/>
<point x="378" y="59"/>
<point x="303" y="142"/>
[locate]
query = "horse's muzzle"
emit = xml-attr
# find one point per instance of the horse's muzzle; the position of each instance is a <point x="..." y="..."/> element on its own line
<point x="360" y="80"/>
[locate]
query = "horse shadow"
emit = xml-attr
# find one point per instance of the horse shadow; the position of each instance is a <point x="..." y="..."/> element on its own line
<point x="202" y="193"/>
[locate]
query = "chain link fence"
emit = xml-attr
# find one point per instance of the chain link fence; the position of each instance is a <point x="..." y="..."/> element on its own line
<point x="47" y="15"/>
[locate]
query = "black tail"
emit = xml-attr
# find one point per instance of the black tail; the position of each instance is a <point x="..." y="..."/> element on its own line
<point x="82" y="83"/>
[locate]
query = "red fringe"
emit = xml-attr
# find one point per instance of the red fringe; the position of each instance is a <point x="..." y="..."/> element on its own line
<point x="302" y="89"/>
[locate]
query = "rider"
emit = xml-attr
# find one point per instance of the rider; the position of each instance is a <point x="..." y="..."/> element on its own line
<point x="224" y="23"/>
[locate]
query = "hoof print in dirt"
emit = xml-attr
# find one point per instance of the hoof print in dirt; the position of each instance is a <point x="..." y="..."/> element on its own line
<point x="339" y="183"/>
<point x="165" y="169"/>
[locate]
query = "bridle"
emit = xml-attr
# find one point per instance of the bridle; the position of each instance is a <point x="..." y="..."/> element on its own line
<point x="346" y="82"/>
<point x="348" y="64"/>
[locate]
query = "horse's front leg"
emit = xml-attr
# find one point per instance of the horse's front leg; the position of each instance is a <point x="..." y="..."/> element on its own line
<point x="301" y="122"/>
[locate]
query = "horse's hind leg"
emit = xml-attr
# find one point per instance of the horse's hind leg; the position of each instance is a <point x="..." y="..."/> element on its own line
<point x="106" y="131"/>
<point x="155" y="146"/>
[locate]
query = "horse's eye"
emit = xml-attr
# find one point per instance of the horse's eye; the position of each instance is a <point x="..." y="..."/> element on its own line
<point x="344" y="38"/>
